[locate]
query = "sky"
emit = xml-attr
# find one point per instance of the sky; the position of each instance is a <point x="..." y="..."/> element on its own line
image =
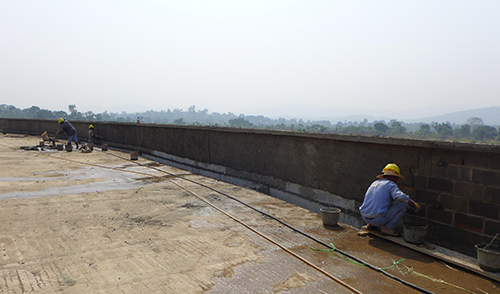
<point x="402" y="59"/>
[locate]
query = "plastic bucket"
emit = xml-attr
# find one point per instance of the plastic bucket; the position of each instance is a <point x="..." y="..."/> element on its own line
<point x="330" y="215"/>
<point x="489" y="257"/>
<point x="414" y="234"/>
<point x="134" y="155"/>
<point x="104" y="147"/>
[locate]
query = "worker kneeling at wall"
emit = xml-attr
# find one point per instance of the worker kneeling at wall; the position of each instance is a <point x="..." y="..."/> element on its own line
<point x="385" y="204"/>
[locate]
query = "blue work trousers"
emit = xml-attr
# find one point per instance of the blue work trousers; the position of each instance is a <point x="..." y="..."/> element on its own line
<point x="391" y="217"/>
<point x="72" y="139"/>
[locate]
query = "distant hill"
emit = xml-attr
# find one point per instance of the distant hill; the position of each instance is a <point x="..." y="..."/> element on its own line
<point x="306" y="113"/>
<point x="489" y="115"/>
<point x="314" y="113"/>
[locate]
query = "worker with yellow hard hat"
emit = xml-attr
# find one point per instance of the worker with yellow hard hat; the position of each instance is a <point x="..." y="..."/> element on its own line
<point x="91" y="137"/>
<point x="385" y="204"/>
<point x="66" y="127"/>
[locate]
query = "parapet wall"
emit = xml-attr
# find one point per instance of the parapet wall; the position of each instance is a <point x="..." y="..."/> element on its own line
<point x="457" y="184"/>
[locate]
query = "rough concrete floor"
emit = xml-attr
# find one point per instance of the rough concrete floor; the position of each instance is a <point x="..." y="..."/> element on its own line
<point x="94" y="223"/>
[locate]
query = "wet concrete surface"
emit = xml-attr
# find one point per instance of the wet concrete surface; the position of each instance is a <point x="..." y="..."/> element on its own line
<point x="111" y="226"/>
<point x="95" y="179"/>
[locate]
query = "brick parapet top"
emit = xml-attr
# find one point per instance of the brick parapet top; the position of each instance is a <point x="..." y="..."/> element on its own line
<point x="420" y="143"/>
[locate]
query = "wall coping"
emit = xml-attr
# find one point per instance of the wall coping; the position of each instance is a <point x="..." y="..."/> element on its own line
<point x="383" y="140"/>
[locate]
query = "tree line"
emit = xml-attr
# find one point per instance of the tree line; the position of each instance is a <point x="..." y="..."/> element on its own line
<point x="473" y="131"/>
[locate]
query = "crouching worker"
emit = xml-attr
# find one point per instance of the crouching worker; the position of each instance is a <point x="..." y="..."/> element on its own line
<point x="385" y="204"/>
<point x="65" y="126"/>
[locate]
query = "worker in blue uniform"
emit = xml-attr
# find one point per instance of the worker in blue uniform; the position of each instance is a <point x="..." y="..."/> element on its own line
<point x="385" y="204"/>
<point x="66" y="127"/>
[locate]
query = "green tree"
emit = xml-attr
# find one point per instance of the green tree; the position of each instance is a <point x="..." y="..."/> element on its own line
<point x="475" y="122"/>
<point x="424" y="130"/>
<point x="397" y="128"/>
<point x="72" y="109"/>
<point x="31" y="112"/>
<point x="73" y="113"/>
<point x="380" y="128"/>
<point x="338" y="127"/>
<point x="443" y="129"/>
<point x="313" y="128"/>
<point x="60" y="113"/>
<point x="44" y="114"/>
<point x="240" y="123"/>
<point x="179" y="121"/>
<point x="89" y="115"/>
<point x="482" y="132"/>
<point x="462" y="132"/>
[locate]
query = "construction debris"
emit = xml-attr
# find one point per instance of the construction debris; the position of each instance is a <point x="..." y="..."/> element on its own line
<point x="86" y="148"/>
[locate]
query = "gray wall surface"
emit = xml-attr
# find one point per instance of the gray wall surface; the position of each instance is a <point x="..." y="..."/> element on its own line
<point x="457" y="184"/>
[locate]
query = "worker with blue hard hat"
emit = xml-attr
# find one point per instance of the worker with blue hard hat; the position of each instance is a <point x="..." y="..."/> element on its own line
<point x="385" y="204"/>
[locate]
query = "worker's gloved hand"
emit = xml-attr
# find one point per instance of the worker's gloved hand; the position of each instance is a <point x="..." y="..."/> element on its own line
<point x="414" y="205"/>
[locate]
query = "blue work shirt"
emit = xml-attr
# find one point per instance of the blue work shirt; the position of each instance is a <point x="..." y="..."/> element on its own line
<point x="379" y="197"/>
<point x="68" y="128"/>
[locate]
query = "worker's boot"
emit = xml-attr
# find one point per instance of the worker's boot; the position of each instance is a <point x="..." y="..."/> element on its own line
<point x="370" y="227"/>
<point x="76" y="145"/>
<point x="389" y="232"/>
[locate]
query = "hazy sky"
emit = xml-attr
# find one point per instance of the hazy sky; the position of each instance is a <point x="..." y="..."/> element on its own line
<point x="404" y="59"/>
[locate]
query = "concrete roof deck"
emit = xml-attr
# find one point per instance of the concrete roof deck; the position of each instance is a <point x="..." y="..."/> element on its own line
<point x="78" y="222"/>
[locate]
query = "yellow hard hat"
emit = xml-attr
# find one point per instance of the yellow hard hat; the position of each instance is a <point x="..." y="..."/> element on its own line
<point x="91" y="126"/>
<point x="391" y="170"/>
<point x="392" y="166"/>
<point x="60" y="120"/>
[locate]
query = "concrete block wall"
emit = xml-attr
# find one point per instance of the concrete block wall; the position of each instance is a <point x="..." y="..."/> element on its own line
<point x="460" y="193"/>
<point x="457" y="184"/>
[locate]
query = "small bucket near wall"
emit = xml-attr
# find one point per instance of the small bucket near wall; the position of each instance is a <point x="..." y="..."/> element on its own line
<point x="414" y="233"/>
<point x="104" y="147"/>
<point x="488" y="256"/>
<point x="330" y="215"/>
<point x="134" y="155"/>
